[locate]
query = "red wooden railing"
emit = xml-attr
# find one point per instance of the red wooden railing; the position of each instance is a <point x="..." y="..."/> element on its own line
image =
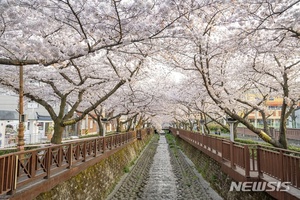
<point x="292" y="134"/>
<point x="22" y="168"/>
<point x="283" y="165"/>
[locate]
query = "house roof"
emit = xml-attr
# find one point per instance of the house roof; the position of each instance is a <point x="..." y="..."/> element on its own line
<point x="8" y="115"/>
<point x="43" y="117"/>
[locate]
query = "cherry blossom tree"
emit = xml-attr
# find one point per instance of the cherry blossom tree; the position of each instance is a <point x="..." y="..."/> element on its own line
<point x="67" y="88"/>
<point x="64" y="44"/>
<point x="221" y="50"/>
<point x="78" y="54"/>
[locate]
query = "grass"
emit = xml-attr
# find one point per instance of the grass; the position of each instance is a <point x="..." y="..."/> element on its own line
<point x="170" y="139"/>
<point x="126" y="169"/>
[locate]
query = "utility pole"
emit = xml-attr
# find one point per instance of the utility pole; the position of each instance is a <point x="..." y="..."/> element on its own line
<point x="21" y="111"/>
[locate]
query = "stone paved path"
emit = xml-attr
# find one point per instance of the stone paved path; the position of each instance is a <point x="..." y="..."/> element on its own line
<point x="162" y="181"/>
<point x="163" y="172"/>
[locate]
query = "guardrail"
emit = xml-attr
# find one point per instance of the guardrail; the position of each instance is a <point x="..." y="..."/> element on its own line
<point x="255" y="160"/>
<point x="22" y="168"/>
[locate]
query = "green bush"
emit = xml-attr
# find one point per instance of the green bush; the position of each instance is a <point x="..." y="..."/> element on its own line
<point x="88" y="135"/>
<point x="294" y="148"/>
<point x="245" y="141"/>
<point x="12" y="150"/>
<point x="126" y="169"/>
<point x="249" y="141"/>
<point x="214" y="127"/>
<point x="7" y="151"/>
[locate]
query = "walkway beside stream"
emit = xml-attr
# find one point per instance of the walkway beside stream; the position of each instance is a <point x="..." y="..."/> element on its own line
<point x="163" y="172"/>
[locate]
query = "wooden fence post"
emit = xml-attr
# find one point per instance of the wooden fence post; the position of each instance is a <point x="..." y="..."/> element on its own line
<point x="15" y="167"/>
<point x="104" y="145"/>
<point x="247" y="161"/>
<point x="48" y="162"/>
<point x="281" y="166"/>
<point x="84" y="151"/>
<point x="70" y="151"/>
<point x="258" y="159"/>
<point x="231" y="156"/>
<point x="95" y="147"/>
<point x="33" y="163"/>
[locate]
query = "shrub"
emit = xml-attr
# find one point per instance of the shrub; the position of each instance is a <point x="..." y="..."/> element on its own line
<point x="294" y="148"/>
<point x="214" y="127"/>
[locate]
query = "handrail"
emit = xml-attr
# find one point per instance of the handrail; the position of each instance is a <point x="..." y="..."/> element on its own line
<point x="22" y="168"/>
<point x="280" y="164"/>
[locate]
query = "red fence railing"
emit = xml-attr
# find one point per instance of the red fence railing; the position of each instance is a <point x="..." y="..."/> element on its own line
<point x="291" y="133"/>
<point x="281" y="164"/>
<point x="22" y="168"/>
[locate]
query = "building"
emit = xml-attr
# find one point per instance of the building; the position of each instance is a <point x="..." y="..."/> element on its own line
<point x="9" y="122"/>
<point x="274" y="105"/>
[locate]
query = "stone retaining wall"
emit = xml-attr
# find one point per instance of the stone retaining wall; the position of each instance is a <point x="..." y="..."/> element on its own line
<point x="211" y="171"/>
<point x="97" y="181"/>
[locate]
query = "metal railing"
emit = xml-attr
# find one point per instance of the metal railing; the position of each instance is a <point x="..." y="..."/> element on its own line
<point x="22" y="168"/>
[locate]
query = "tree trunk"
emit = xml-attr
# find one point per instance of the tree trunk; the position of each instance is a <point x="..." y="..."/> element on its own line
<point x="100" y="128"/>
<point x="185" y="126"/>
<point x="264" y="136"/>
<point x="266" y="126"/>
<point x="133" y="123"/>
<point x="198" y="125"/>
<point x="177" y="124"/>
<point x="118" y="124"/>
<point x="129" y="125"/>
<point x="58" y="132"/>
<point x="206" y="129"/>
<point x="284" y="109"/>
<point x="235" y="125"/>
<point x="282" y="129"/>
<point x="191" y="124"/>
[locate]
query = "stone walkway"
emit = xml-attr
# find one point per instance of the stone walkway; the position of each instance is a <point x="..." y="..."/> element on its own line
<point x="162" y="181"/>
<point x="163" y="172"/>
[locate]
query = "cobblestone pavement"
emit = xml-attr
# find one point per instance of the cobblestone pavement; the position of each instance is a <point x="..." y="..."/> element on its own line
<point x="163" y="172"/>
<point x="162" y="182"/>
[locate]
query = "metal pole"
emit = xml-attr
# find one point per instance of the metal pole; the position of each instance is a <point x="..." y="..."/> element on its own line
<point x="21" y="111"/>
<point x="231" y="132"/>
<point x="104" y="129"/>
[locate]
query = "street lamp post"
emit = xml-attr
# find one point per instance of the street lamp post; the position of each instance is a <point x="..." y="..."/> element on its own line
<point x="21" y="111"/>
<point x="231" y="122"/>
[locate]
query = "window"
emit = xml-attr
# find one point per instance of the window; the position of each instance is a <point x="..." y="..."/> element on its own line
<point x="41" y="125"/>
<point x="274" y="107"/>
<point x="47" y="128"/>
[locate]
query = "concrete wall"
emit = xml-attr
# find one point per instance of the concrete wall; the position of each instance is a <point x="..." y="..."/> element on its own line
<point x="211" y="171"/>
<point x="97" y="181"/>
